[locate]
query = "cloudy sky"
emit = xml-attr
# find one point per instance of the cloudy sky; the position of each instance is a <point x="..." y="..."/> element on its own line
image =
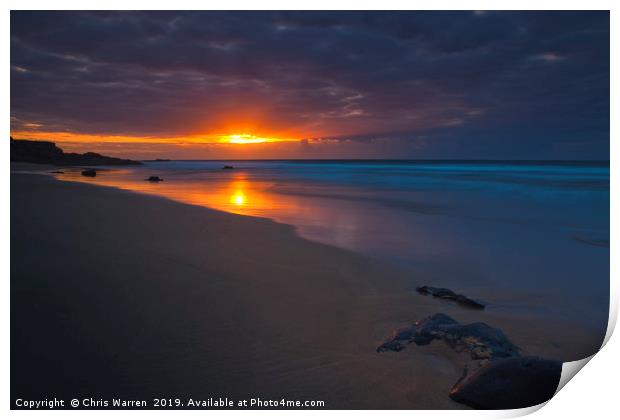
<point x="482" y="85"/>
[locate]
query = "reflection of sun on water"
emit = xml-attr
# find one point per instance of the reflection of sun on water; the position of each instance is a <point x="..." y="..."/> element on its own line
<point x="237" y="194"/>
<point x="238" y="198"/>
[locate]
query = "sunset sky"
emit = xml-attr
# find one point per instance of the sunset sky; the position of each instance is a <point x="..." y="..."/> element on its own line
<point x="200" y="85"/>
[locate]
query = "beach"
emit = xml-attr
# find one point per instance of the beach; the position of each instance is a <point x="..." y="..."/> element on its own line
<point x="308" y="209"/>
<point x="119" y="293"/>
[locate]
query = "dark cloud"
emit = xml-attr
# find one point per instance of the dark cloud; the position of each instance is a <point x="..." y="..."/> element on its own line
<point x="481" y="84"/>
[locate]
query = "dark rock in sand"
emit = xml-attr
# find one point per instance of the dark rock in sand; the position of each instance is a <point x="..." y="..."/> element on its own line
<point x="443" y="293"/>
<point x="392" y="345"/>
<point x="89" y="172"/>
<point x="499" y="377"/>
<point x="154" y="179"/>
<point x="515" y="382"/>
<point x="421" y="332"/>
<point x="228" y="167"/>
<point x="480" y="340"/>
<point x="46" y="152"/>
<point x="430" y="328"/>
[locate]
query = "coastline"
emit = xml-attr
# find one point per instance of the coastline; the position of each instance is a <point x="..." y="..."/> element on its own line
<point x="145" y="296"/>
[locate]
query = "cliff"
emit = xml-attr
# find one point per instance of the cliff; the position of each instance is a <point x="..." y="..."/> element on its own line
<point x="47" y="152"/>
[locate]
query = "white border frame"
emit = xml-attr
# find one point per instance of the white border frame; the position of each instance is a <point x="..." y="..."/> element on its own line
<point x="593" y="394"/>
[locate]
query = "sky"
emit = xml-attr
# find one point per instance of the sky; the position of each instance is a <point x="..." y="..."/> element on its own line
<point x="243" y="85"/>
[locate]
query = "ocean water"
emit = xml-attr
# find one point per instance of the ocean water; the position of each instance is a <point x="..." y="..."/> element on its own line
<point x="526" y="236"/>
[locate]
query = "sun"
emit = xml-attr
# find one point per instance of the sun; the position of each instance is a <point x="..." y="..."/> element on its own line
<point x="251" y="139"/>
<point x="244" y="139"/>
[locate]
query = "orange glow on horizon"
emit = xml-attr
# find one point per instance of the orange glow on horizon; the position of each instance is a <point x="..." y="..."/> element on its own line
<point x="68" y="137"/>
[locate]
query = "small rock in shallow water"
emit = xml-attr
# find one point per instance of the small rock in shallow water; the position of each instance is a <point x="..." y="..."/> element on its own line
<point x="443" y="293"/>
<point x="465" y="301"/>
<point x="154" y="179"/>
<point x="508" y="383"/>
<point x="89" y="172"/>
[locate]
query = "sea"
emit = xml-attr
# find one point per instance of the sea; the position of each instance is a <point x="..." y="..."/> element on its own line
<point x="523" y="235"/>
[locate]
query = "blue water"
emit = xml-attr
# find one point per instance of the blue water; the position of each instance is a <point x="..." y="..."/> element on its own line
<point x="536" y="233"/>
<point x="419" y="174"/>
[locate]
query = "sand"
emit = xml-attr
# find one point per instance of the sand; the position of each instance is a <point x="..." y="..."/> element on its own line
<point x="115" y="293"/>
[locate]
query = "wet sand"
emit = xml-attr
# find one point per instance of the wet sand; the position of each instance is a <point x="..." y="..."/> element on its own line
<point x="120" y="294"/>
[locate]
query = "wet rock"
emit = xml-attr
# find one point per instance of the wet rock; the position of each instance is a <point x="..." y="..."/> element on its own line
<point x="434" y="291"/>
<point x="498" y="377"/>
<point x="57" y="172"/>
<point x="89" y="172"/>
<point x="421" y="332"/>
<point x="228" y="167"/>
<point x="393" y="345"/>
<point x="465" y="301"/>
<point x="480" y="340"/>
<point x="433" y="327"/>
<point x="154" y="179"/>
<point x="508" y="383"/>
<point x="443" y="293"/>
